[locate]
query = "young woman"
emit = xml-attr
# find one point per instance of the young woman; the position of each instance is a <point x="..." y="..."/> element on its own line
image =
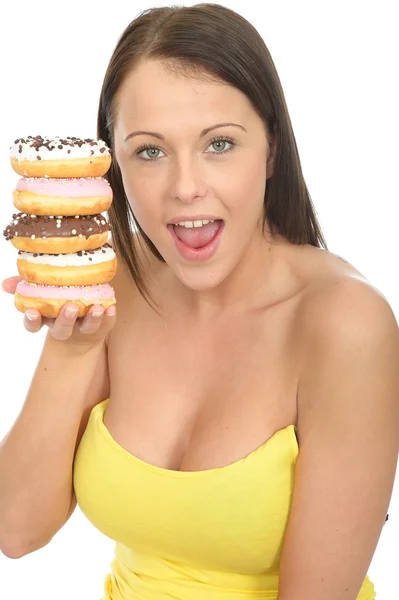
<point x="235" y="429"/>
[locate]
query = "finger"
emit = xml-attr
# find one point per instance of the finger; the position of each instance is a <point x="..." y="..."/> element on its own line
<point x="9" y="285"/>
<point x="92" y="321"/>
<point x="64" y="323"/>
<point x="111" y="311"/>
<point x="32" y="320"/>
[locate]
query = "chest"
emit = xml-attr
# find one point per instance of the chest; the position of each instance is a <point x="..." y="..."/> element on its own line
<point x="186" y="397"/>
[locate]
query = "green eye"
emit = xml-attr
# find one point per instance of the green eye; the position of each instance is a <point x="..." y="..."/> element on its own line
<point x="146" y="147"/>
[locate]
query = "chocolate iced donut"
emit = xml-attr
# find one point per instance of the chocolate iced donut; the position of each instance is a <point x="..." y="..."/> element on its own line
<point x="68" y="197"/>
<point x="57" y="235"/>
<point x="79" y="268"/>
<point x="60" y="157"/>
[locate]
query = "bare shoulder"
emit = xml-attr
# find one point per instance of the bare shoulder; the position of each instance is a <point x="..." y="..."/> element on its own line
<point x="340" y="305"/>
<point x="341" y="298"/>
<point x="333" y="285"/>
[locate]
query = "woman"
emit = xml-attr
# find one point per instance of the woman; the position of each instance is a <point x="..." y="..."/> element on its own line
<point x="229" y="438"/>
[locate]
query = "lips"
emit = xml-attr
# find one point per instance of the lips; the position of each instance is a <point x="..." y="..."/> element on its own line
<point x="198" y="253"/>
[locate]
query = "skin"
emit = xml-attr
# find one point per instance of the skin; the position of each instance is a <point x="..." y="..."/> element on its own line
<point x="189" y="178"/>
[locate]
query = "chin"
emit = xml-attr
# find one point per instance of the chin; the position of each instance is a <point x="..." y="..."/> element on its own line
<point x="202" y="279"/>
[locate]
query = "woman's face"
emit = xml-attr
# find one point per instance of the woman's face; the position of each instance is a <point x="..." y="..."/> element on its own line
<point x="188" y="173"/>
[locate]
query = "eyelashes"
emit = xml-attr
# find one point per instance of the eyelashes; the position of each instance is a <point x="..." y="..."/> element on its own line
<point x="141" y="149"/>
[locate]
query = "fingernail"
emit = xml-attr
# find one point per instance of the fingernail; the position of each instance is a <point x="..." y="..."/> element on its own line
<point x="71" y="312"/>
<point x="111" y="311"/>
<point x="97" y="314"/>
<point x="30" y="316"/>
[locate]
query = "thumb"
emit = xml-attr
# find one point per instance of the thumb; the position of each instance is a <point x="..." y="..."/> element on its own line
<point x="9" y="285"/>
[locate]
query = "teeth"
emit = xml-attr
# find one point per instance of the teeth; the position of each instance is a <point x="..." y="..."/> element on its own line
<point x="193" y="223"/>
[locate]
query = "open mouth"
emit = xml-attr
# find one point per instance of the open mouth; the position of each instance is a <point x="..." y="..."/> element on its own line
<point x="197" y="237"/>
<point x="197" y="243"/>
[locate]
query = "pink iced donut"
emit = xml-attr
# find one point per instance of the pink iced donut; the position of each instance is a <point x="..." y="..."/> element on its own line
<point x="49" y="299"/>
<point x="68" y="197"/>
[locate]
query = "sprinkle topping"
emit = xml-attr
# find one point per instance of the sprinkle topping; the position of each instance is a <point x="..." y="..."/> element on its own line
<point x="44" y="148"/>
<point x="24" y="225"/>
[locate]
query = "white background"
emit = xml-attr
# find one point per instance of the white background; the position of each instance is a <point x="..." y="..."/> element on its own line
<point x="338" y="64"/>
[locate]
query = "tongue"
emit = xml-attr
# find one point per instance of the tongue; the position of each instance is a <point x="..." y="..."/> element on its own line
<point x="196" y="237"/>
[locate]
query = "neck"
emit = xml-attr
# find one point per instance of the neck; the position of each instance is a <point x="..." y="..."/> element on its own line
<point x="255" y="282"/>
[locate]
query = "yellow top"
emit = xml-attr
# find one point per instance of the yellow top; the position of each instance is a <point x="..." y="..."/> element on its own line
<point x="198" y="535"/>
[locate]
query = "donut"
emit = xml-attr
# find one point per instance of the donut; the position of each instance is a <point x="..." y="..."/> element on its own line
<point x="60" y="157"/>
<point x="69" y="197"/>
<point x="79" y="268"/>
<point x="49" y="300"/>
<point x="57" y="234"/>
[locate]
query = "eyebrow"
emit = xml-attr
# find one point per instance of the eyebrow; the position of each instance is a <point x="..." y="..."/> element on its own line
<point x="204" y="132"/>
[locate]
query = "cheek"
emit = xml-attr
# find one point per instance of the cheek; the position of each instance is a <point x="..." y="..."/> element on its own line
<point x="136" y="191"/>
<point x="246" y="188"/>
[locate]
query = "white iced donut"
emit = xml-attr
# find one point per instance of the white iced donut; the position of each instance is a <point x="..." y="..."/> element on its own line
<point x="79" y="268"/>
<point x="60" y="157"/>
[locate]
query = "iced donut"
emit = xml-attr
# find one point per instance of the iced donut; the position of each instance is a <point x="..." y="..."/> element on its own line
<point x="49" y="300"/>
<point x="60" y="157"/>
<point x="79" y="268"/>
<point x="57" y="235"/>
<point x="68" y="197"/>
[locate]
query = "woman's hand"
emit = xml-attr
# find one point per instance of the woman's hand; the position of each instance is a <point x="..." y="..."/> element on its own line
<point x="86" y="331"/>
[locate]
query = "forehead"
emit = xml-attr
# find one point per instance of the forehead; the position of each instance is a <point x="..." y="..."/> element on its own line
<point x="152" y="91"/>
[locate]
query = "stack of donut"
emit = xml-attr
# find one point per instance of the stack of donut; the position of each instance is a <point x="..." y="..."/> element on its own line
<point x="60" y="233"/>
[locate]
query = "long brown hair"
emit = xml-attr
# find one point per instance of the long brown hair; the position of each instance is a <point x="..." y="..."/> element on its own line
<point x="209" y="41"/>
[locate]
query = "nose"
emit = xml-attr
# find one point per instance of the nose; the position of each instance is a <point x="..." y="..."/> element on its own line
<point x="187" y="180"/>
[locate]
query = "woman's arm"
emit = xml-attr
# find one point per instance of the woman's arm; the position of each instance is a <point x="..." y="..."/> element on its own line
<point x="349" y="443"/>
<point x="36" y="455"/>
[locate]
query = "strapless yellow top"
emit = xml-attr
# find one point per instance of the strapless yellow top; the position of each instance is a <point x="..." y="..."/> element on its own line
<point x="203" y="535"/>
